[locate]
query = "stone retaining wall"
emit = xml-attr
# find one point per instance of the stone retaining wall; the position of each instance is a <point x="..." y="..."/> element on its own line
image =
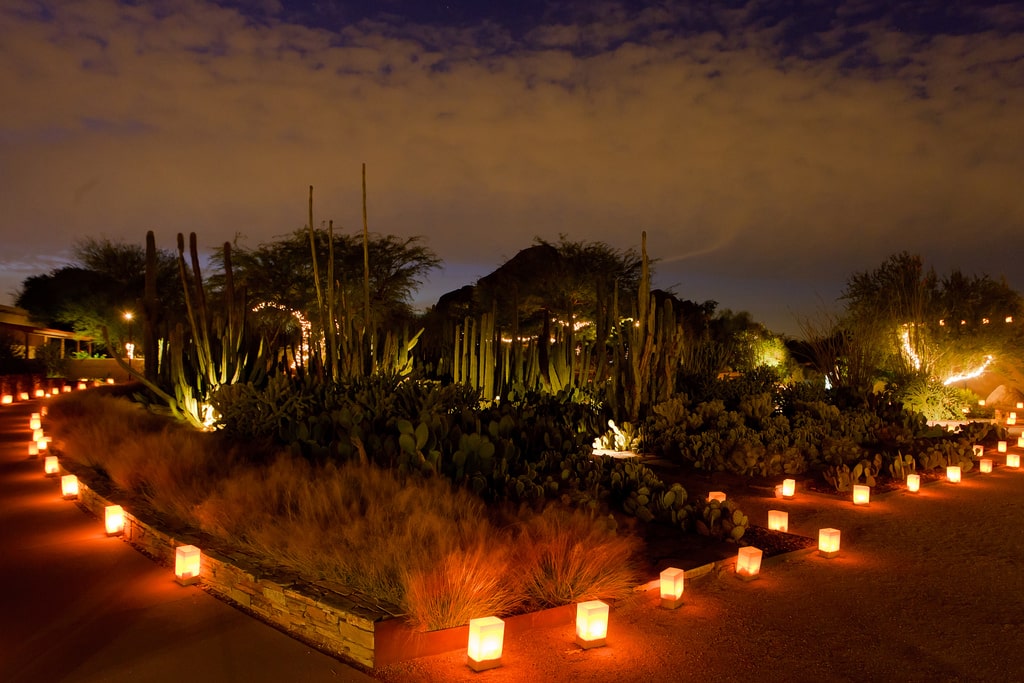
<point x="326" y="615"/>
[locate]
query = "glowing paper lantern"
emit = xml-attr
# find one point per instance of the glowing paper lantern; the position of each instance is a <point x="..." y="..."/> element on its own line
<point x="113" y="518"/>
<point x="1012" y="420"/>
<point x="671" y="581"/>
<point x="985" y="464"/>
<point x="828" y="542"/>
<point x="1019" y="405"/>
<point x="110" y="380"/>
<point x="40" y="393"/>
<point x="716" y="495"/>
<point x="6" y="399"/>
<point x="23" y="396"/>
<point x="748" y="562"/>
<point x="1020" y="442"/>
<point x="1001" y="446"/>
<point x="981" y="402"/>
<point x="913" y="483"/>
<point x="978" y="450"/>
<point x="69" y="486"/>
<point x="51" y="466"/>
<point x="81" y="385"/>
<point x="778" y="520"/>
<point x="953" y="474"/>
<point x="788" y="488"/>
<point x="35" y="422"/>
<point x="54" y="392"/>
<point x="186" y="564"/>
<point x="37" y="434"/>
<point x="591" y="624"/>
<point x="42" y="445"/>
<point x="486" y="638"/>
<point x="33" y="450"/>
<point x="1012" y="460"/>
<point x="861" y="494"/>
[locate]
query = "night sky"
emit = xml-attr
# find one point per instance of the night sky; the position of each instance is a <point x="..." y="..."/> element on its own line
<point x="769" y="149"/>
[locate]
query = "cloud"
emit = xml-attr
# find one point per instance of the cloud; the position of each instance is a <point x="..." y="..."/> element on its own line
<point x="748" y="144"/>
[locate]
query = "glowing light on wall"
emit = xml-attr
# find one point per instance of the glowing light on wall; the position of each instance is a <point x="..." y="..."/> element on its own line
<point x="671" y="584"/>
<point x="953" y="474"/>
<point x="861" y="494"/>
<point x="828" y="542"/>
<point x="591" y="624"/>
<point x="186" y="564"/>
<point x="113" y="519"/>
<point x="69" y="486"/>
<point x="748" y="562"/>
<point x="913" y="483"/>
<point x="716" y="495"/>
<point x="778" y="520"/>
<point x="977" y="372"/>
<point x="985" y="465"/>
<point x="486" y="639"/>
<point x="51" y="466"/>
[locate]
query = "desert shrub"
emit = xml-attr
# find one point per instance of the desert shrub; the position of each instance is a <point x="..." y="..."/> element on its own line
<point x="567" y="557"/>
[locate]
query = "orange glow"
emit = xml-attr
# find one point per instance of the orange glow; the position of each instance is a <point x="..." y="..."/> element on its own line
<point x="37" y="434"/>
<point x="1019" y="405"/>
<point x="35" y="422"/>
<point x="186" y="564"/>
<point x="81" y="385"/>
<point x="33" y="450"/>
<point x="778" y="520"/>
<point x="913" y="483"/>
<point x="1020" y="442"/>
<point x="1001" y="446"/>
<point x="828" y="542"/>
<point x="66" y="388"/>
<point x="23" y="396"/>
<point x="42" y="444"/>
<point x="6" y="399"/>
<point x="953" y="474"/>
<point x="486" y="638"/>
<point x="716" y="495"/>
<point x="788" y="488"/>
<point x="113" y="518"/>
<point x="1012" y="460"/>
<point x="110" y="380"/>
<point x="1012" y="420"/>
<point x="748" y="562"/>
<point x="51" y="466"/>
<point x="981" y="402"/>
<point x="671" y="581"/>
<point x="861" y="494"/>
<point x="69" y="486"/>
<point x="985" y="464"/>
<point x="591" y="624"/>
<point x="40" y="393"/>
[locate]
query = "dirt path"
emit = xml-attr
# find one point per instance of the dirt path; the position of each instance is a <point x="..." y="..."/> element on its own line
<point x="928" y="587"/>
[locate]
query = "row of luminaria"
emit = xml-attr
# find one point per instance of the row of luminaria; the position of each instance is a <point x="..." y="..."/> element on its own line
<point x="486" y="634"/>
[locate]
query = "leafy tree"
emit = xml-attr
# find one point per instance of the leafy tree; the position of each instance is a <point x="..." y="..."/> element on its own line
<point x="278" y="277"/>
<point x="104" y="282"/>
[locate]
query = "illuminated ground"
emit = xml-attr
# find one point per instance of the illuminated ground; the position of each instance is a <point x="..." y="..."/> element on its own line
<point x="927" y="588"/>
